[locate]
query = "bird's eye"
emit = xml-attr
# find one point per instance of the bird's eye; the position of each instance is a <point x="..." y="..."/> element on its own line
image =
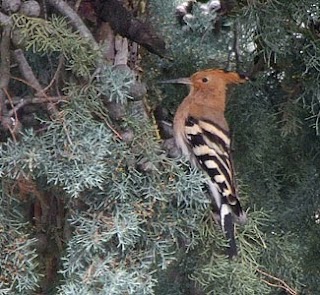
<point x="204" y="80"/>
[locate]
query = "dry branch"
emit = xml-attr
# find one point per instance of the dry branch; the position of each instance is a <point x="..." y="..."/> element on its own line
<point x="14" y="126"/>
<point x="278" y="283"/>
<point x="28" y="74"/>
<point x="75" y="20"/>
<point x="236" y="45"/>
<point x="123" y="22"/>
<point x="5" y="20"/>
<point x="4" y="72"/>
<point x="36" y="100"/>
<point x="56" y="74"/>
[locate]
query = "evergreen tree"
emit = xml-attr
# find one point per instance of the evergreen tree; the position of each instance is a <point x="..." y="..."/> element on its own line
<point x="90" y="201"/>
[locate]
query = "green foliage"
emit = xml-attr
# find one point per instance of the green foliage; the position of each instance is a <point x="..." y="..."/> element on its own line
<point x="131" y="226"/>
<point x="70" y="154"/>
<point x="18" y="258"/>
<point x="218" y="275"/>
<point x="194" y="47"/>
<point x="128" y="224"/>
<point x="115" y="83"/>
<point x="275" y="150"/>
<point x="56" y="35"/>
<point x="141" y="223"/>
<point x="200" y="23"/>
<point x="291" y="47"/>
<point x="279" y="172"/>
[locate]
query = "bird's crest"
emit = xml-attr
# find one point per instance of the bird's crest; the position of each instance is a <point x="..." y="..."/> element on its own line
<point x="211" y="76"/>
<point x="216" y="76"/>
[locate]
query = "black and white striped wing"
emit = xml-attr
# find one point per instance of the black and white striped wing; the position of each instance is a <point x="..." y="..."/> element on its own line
<point x="211" y="146"/>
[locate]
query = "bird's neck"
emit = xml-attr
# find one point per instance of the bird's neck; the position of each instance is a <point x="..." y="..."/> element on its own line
<point x="214" y="98"/>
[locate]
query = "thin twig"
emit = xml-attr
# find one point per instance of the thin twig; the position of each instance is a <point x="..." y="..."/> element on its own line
<point x="109" y="125"/>
<point x="55" y="76"/>
<point x="77" y="5"/>
<point x="24" y="82"/>
<point x="13" y="130"/>
<point x="280" y="283"/>
<point x="289" y="291"/>
<point x="67" y="133"/>
<point x="35" y="100"/>
<point x="44" y="9"/>
<point x="76" y="21"/>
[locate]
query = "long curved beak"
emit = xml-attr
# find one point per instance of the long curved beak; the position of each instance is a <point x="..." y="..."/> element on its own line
<point x="177" y="81"/>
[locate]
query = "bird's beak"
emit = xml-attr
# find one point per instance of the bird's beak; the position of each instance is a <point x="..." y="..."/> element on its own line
<point x="177" y="81"/>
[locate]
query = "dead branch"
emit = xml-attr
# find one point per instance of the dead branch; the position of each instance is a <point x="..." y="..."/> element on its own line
<point x="4" y="70"/>
<point x="74" y="18"/>
<point x="35" y="100"/>
<point x="15" y="126"/>
<point x="235" y="49"/>
<point x="278" y="283"/>
<point x="124" y="23"/>
<point x="77" y="5"/>
<point x="28" y="74"/>
<point x="23" y="81"/>
<point x="235" y="45"/>
<point x="5" y="20"/>
<point x="109" y="125"/>
<point x="56" y="74"/>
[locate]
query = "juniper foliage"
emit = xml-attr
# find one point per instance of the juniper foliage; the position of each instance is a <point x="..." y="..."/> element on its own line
<point x="274" y="120"/>
<point x="137" y="222"/>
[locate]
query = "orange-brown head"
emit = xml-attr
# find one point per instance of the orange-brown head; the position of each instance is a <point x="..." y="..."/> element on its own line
<point x="208" y="89"/>
<point x="211" y="78"/>
<point x="215" y="77"/>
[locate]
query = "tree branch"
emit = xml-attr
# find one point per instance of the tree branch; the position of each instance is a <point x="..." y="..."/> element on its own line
<point x="28" y="74"/>
<point x="279" y="283"/>
<point x="235" y="45"/>
<point x="14" y="125"/>
<point x="235" y="48"/>
<point x="35" y="100"/>
<point x="5" y="20"/>
<point x="124" y="23"/>
<point x="56" y="74"/>
<point x="4" y="71"/>
<point x="74" y="18"/>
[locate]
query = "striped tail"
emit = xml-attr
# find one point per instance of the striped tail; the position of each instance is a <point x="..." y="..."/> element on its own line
<point x="228" y="228"/>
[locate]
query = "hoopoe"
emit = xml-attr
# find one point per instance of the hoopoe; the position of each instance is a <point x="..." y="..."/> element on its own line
<point x="202" y="133"/>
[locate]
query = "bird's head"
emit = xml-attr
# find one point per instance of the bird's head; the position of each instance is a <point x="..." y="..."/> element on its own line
<point x="211" y="78"/>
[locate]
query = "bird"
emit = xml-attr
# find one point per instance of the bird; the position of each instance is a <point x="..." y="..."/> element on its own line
<point x="202" y="134"/>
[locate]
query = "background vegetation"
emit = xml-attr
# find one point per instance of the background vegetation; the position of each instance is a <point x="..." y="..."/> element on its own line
<point x="91" y="202"/>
